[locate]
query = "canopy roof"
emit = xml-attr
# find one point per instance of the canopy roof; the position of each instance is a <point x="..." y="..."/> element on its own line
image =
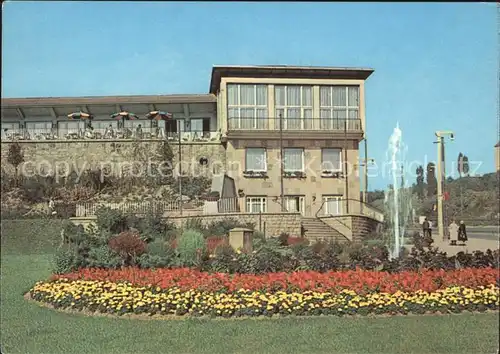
<point x="20" y="108"/>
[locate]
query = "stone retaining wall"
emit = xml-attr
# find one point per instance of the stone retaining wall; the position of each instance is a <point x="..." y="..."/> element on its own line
<point x="271" y="224"/>
<point x="76" y="155"/>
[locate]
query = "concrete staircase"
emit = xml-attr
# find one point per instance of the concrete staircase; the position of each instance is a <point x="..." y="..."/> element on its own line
<point x="316" y="230"/>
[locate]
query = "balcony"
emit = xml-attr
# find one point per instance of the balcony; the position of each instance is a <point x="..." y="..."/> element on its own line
<point x="146" y="133"/>
<point x="306" y="128"/>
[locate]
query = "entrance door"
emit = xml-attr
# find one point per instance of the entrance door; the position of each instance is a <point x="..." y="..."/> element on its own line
<point x="295" y="204"/>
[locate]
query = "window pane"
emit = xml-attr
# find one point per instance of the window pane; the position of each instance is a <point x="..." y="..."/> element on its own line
<point x="262" y="119"/>
<point x="331" y="159"/>
<point x="325" y="113"/>
<point x="293" y="159"/>
<point x="293" y="113"/>
<point x="247" y="118"/>
<point x="353" y="114"/>
<point x="353" y="96"/>
<point x="325" y="96"/>
<point x="339" y="96"/>
<point x="233" y="113"/>
<point x="255" y="159"/>
<point x="197" y="125"/>
<point x="247" y="95"/>
<point x="293" y="96"/>
<point x="232" y="94"/>
<point x="279" y="112"/>
<point x="279" y="95"/>
<point x="307" y="96"/>
<point x="262" y="95"/>
<point x="293" y="120"/>
<point x="339" y="114"/>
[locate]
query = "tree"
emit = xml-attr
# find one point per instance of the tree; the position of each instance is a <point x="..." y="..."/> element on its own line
<point x="420" y="182"/>
<point x="465" y="166"/>
<point x="460" y="165"/>
<point x="165" y="163"/>
<point x="431" y="180"/>
<point x="15" y="157"/>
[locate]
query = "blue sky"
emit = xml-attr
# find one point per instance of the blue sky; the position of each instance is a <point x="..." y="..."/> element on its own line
<point x="435" y="64"/>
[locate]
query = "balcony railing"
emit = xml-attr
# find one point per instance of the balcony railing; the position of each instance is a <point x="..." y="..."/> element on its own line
<point x="104" y="133"/>
<point x="294" y="124"/>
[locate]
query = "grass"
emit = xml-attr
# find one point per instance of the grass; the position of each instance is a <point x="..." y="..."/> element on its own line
<point x="29" y="328"/>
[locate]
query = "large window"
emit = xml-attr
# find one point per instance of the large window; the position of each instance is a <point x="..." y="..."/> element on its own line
<point x="102" y="125"/>
<point x="332" y="204"/>
<point x="247" y="106"/>
<point x="293" y="160"/>
<point x="331" y="160"/>
<point x="172" y="125"/>
<point x="338" y="103"/>
<point x="65" y="128"/>
<point x="255" y="160"/>
<point x="294" y="104"/>
<point x="9" y="129"/>
<point x="256" y="204"/>
<point x="200" y="127"/>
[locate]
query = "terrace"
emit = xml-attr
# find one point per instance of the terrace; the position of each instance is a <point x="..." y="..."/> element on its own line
<point x="192" y="118"/>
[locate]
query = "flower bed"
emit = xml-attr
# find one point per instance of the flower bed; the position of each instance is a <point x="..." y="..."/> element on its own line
<point x="358" y="280"/>
<point x="189" y="292"/>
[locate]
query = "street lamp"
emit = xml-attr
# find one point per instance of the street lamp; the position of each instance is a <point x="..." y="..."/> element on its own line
<point x="441" y="134"/>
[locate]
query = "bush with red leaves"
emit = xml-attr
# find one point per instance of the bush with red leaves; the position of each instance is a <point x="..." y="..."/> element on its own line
<point x="128" y="245"/>
<point x="214" y="241"/>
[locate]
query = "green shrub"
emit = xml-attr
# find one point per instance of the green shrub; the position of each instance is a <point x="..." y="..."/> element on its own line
<point x="223" y="260"/>
<point x="222" y="227"/>
<point x="195" y="224"/>
<point x="64" y="261"/>
<point x="148" y="260"/>
<point x="111" y="220"/>
<point x="259" y="235"/>
<point x="161" y="248"/>
<point x="268" y="257"/>
<point x="191" y="248"/>
<point x="103" y="257"/>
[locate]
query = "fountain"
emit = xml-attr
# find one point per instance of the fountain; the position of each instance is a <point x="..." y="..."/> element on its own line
<point x="398" y="197"/>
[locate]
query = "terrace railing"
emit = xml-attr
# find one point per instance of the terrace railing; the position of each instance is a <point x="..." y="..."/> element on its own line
<point x="104" y="133"/>
<point x="342" y="207"/>
<point x="294" y="124"/>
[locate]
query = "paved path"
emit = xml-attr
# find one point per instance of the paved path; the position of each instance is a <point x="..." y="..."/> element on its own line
<point x="473" y="244"/>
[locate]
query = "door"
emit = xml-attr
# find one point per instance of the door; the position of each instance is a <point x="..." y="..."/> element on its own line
<point x="295" y="204"/>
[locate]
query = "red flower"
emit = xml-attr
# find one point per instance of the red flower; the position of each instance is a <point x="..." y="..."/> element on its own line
<point x="359" y="280"/>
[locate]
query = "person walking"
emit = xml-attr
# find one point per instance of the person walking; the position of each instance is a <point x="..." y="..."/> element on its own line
<point x="462" y="232"/>
<point x="453" y="231"/>
<point x="426" y="229"/>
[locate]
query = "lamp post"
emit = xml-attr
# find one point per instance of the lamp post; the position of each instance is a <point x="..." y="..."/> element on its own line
<point x="440" y="177"/>
<point x="282" y="193"/>
<point x="346" y="177"/>
<point x="180" y="165"/>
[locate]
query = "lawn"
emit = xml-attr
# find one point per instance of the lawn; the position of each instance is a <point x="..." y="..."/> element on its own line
<point x="28" y="328"/>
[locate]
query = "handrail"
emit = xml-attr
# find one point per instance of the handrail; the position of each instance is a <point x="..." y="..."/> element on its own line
<point x="362" y="203"/>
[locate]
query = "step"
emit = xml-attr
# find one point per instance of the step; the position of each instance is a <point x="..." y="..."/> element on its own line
<point x="316" y="229"/>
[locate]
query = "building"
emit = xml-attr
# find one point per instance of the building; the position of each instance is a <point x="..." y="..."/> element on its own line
<point x="497" y="156"/>
<point x="315" y="115"/>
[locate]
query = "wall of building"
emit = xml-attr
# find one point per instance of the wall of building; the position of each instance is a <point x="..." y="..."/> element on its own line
<point x="312" y="187"/>
<point x="44" y="157"/>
